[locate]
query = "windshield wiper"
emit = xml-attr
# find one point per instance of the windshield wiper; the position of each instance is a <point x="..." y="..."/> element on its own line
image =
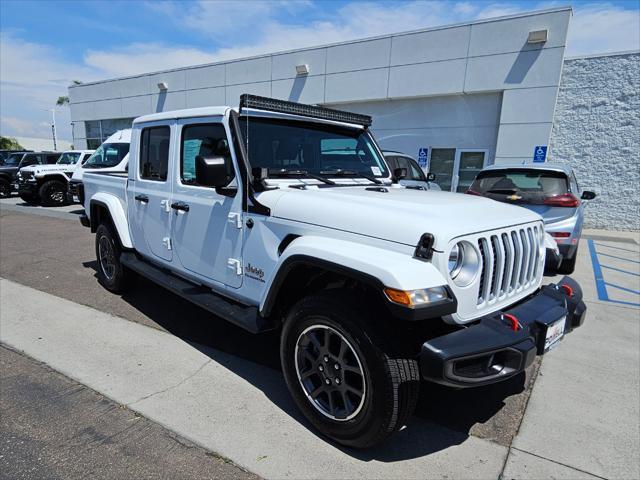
<point x="351" y="173"/>
<point x="300" y="173"/>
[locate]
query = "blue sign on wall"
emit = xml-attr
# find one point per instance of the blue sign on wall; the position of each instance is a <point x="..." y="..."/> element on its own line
<point x="540" y="153"/>
<point x="422" y="157"/>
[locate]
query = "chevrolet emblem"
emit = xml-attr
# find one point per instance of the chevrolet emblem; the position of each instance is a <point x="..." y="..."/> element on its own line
<point x="513" y="197"/>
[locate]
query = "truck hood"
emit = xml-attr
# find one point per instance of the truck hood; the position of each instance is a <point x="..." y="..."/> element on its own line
<point x="49" y="168"/>
<point x="397" y="214"/>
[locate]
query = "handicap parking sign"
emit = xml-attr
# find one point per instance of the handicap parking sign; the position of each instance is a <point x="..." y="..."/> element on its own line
<point x="540" y="153"/>
<point x="422" y="157"/>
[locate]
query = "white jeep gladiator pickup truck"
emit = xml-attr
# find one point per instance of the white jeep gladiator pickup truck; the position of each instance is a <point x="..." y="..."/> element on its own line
<point x="278" y="215"/>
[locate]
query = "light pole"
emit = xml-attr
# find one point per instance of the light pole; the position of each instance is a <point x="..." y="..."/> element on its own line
<point x="53" y="129"/>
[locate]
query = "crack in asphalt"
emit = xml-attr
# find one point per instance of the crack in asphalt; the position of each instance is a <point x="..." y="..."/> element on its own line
<point x="181" y="382"/>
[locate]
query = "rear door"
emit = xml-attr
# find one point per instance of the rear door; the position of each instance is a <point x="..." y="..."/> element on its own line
<point x="208" y="234"/>
<point x="150" y="207"/>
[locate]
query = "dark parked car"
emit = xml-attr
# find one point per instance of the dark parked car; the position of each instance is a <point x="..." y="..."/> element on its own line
<point x="6" y="153"/>
<point x="549" y="190"/>
<point x="14" y="162"/>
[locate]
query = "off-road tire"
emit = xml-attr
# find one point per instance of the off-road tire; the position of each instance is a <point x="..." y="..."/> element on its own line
<point x="392" y="384"/>
<point x="5" y="188"/>
<point x="568" y="265"/>
<point x="26" y="198"/>
<point x="120" y="278"/>
<point x="53" y="193"/>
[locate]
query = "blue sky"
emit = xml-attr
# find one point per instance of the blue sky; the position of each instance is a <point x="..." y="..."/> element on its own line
<point x="46" y="44"/>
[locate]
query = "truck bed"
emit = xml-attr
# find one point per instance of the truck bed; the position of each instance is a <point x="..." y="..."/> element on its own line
<point x="114" y="183"/>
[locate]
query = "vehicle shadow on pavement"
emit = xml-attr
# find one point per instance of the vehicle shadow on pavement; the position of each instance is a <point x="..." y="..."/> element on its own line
<point x="443" y="418"/>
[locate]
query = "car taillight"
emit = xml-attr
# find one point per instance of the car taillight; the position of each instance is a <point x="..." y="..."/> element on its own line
<point x="560" y="234"/>
<point x="562" y="200"/>
<point x="473" y="192"/>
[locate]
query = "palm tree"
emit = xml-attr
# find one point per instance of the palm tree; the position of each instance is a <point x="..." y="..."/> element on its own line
<point x="64" y="100"/>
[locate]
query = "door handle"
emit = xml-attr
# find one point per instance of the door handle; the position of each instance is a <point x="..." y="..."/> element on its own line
<point x="142" y="198"/>
<point x="180" y="206"/>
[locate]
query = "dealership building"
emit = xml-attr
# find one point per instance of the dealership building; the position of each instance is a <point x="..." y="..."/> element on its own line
<point x="456" y="98"/>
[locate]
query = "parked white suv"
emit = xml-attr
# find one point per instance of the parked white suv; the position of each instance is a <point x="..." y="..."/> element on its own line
<point x="47" y="184"/>
<point x="111" y="156"/>
<point x="282" y="216"/>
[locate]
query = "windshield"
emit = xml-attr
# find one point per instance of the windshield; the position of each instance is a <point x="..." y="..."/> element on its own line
<point x="13" y="159"/>
<point x="315" y="148"/>
<point x="107" y="155"/>
<point x="68" y="158"/>
<point x="520" y="185"/>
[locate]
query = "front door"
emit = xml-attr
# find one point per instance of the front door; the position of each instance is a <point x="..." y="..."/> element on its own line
<point x="151" y="203"/>
<point x="207" y="230"/>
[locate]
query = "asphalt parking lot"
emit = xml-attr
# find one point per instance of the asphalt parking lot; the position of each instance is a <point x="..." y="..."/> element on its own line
<point x="221" y="388"/>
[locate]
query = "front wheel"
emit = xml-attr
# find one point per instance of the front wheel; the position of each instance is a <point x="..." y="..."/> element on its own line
<point x="53" y="193"/>
<point x="111" y="273"/>
<point x="343" y="381"/>
<point x="5" y="188"/>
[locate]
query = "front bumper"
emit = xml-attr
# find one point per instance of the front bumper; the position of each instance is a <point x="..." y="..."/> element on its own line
<point x="75" y="191"/>
<point x="25" y="187"/>
<point x="490" y="350"/>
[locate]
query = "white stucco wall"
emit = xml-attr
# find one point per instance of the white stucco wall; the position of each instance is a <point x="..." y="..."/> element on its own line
<point x="596" y="130"/>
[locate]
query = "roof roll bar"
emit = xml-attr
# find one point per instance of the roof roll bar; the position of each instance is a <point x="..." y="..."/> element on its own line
<point x="294" y="108"/>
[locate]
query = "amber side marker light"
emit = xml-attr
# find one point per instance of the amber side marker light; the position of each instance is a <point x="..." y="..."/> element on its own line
<point x="416" y="298"/>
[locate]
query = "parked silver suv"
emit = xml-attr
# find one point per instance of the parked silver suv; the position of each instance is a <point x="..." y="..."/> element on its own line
<point x="549" y="190"/>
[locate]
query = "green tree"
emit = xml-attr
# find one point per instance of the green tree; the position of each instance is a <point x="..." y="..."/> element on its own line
<point x="8" y="143"/>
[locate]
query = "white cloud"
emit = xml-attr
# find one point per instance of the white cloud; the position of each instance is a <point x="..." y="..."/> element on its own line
<point x="144" y="57"/>
<point x="603" y="28"/>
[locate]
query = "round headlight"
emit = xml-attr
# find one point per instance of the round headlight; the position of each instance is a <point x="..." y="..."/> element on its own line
<point x="464" y="263"/>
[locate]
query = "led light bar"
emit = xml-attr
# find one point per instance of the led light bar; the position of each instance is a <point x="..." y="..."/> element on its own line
<point x="313" y="111"/>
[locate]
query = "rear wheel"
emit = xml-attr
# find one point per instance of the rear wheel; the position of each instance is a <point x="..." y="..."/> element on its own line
<point x="5" y="188"/>
<point x="347" y="384"/>
<point x="111" y="273"/>
<point x="53" y="193"/>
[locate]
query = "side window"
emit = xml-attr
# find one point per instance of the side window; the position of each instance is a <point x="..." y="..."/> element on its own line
<point x="206" y="140"/>
<point x="154" y="153"/>
<point x="52" y="158"/>
<point x="415" y="172"/>
<point x="391" y="163"/>
<point x="30" y="159"/>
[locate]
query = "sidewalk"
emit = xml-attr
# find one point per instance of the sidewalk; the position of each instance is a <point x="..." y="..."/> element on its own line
<point x="582" y="418"/>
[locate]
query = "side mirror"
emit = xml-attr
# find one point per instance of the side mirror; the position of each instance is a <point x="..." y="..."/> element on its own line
<point x="431" y="177"/>
<point x="588" y="195"/>
<point x="213" y="171"/>
<point x="399" y="173"/>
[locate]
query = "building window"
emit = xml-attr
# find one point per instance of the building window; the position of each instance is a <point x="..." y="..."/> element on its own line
<point x="154" y="153"/>
<point x="97" y="131"/>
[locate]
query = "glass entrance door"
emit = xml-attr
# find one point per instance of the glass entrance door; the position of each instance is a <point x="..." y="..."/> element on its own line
<point x="442" y="163"/>
<point x="455" y="169"/>
<point x="468" y="165"/>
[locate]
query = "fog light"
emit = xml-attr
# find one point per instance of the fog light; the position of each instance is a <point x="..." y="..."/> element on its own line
<point x="416" y="298"/>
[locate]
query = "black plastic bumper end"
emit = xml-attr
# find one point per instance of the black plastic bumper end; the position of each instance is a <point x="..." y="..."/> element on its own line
<point x="495" y="348"/>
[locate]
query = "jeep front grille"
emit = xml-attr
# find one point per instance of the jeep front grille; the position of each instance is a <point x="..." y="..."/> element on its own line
<point x="510" y="262"/>
<point x="26" y="175"/>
